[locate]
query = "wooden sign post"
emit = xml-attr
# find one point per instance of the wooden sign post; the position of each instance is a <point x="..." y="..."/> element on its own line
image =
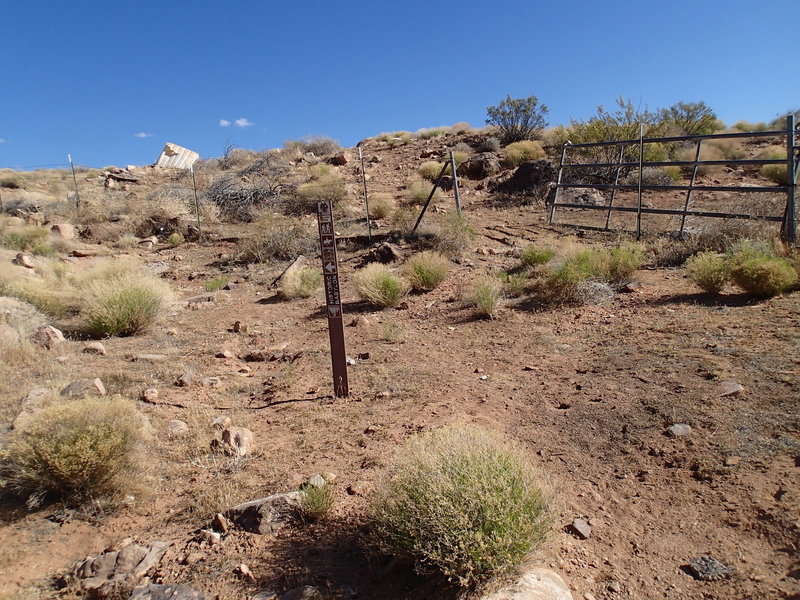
<point x="333" y="300"/>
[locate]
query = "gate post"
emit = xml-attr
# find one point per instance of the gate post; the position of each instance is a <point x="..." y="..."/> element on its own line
<point x="790" y="233"/>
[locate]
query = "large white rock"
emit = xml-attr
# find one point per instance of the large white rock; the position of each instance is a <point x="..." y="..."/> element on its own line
<point x="536" y="584"/>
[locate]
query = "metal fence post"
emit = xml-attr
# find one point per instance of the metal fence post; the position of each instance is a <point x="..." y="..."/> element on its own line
<point x="430" y="197"/>
<point x="689" y="191"/>
<point x="558" y="183"/>
<point x="456" y="193"/>
<point x="639" y="201"/>
<point x="616" y="182"/>
<point x="366" y="196"/>
<point x="75" y="181"/>
<point x="196" y="202"/>
<point x="791" y="181"/>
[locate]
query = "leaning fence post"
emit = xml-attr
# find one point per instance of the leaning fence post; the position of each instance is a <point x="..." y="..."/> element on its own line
<point x="691" y="187"/>
<point x="791" y="181"/>
<point x="639" y="200"/>
<point x="430" y="197"/>
<point x="366" y="196"/>
<point x="558" y="183"/>
<point x="456" y="193"/>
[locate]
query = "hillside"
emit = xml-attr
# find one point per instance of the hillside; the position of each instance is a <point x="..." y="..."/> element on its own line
<point x="589" y="389"/>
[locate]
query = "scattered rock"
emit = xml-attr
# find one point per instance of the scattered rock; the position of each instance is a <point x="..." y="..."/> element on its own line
<point x="152" y="358"/>
<point x="31" y="403"/>
<point x="633" y="287"/>
<point x="47" y="336"/>
<point x="266" y="515"/>
<point x="224" y="354"/>
<point x="149" y="395"/>
<point x="220" y="523"/>
<point x="317" y="481"/>
<point x="339" y="160"/>
<point x="24" y="260"/>
<point x="172" y="591"/>
<point x="64" y="230"/>
<point x="730" y="389"/>
<point x="580" y="528"/>
<point x="186" y="379"/>
<point x="329" y="477"/>
<point x="192" y="558"/>
<point x="384" y="253"/>
<point x="679" y="430"/>
<point x="358" y="488"/>
<point x="200" y="299"/>
<point x="708" y="568"/>
<point x="83" y="387"/>
<point x="230" y="286"/>
<point x="106" y="573"/>
<point x="237" y="441"/>
<point x="732" y="461"/>
<point x="212" y="538"/>
<point x="614" y="586"/>
<point x="245" y="572"/>
<point x="177" y="428"/>
<point x="265" y="595"/>
<point x="360" y="321"/>
<point x="239" y="327"/>
<point x="304" y="592"/>
<point x="530" y="176"/>
<point x="586" y="197"/>
<point x="211" y="382"/>
<point x="536" y="584"/>
<point x="95" y="348"/>
<point x="221" y="422"/>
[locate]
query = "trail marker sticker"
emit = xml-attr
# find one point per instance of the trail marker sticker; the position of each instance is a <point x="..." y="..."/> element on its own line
<point x="333" y="299"/>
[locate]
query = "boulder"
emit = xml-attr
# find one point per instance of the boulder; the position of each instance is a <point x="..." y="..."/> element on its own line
<point x="384" y="253"/>
<point x="479" y="166"/>
<point x="339" y="160"/>
<point x="584" y="196"/>
<point x="266" y="515"/>
<point x="177" y="428"/>
<point x="24" y="260"/>
<point x="95" y="348"/>
<point x="83" y="387"/>
<point x="64" y="230"/>
<point x="536" y="584"/>
<point x="47" y="336"/>
<point x="533" y="176"/>
<point x="304" y="592"/>
<point x="237" y="441"/>
<point x="106" y="574"/>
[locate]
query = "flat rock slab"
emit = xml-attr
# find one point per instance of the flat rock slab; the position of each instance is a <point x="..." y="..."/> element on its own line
<point x="730" y="389"/>
<point x="108" y="571"/>
<point x="166" y="592"/>
<point x="83" y="387"/>
<point x="266" y="515"/>
<point x="536" y="584"/>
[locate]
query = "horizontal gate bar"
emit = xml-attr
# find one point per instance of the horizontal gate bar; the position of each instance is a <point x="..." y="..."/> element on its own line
<point x="698" y="188"/>
<point x="675" y="211"/>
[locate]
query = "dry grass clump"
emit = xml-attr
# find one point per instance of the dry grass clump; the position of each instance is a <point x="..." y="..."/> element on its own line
<point x="328" y="187"/>
<point x="124" y="304"/>
<point x="417" y="191"/>
<point x="535" y="256"/>
<point x="707" y="152"/>
<point x="318" y="145"/>
<point x="317" y="501"/>
<point x="276" y="237"/>
<point x="49" y="289"/>
<point x="453" y="237"/>
<point x="76" y="451"/>
<point x="486" y="296"/>
<point x="513" y="284"/>
<point x="776" y="173"/>
<point x="463" y="502"/>
<point x="377" y="285"/>
<point x="381" y="205"/>
<point x="519" y="152"/>
<point x="21" y="316"/>
<point x="430" y="170"/>
<point x="216" y="283"/>
<point x="426" y="270"/>
<point x="709" y="271"/>
<point x="302" y="282"/>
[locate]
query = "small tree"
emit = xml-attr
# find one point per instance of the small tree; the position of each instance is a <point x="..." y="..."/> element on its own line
<point x="689" y="118"/>
<point x="518" y="118"/>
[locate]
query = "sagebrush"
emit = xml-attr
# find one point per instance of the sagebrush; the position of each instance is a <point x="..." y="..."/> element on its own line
<point x="377" y="285"/>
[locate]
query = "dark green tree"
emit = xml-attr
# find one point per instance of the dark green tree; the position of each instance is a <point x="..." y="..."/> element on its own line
<point x="689" y="118"/>
<point x="518" y="118"/>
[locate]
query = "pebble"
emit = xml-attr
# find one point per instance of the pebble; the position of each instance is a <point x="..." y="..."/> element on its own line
<point x="245" y="572"/>
<point x="95" y="348"/>
<point x="730" y="389"/>
<point x="679" y="430"/>
<point x="614" y="586"/>
<point x="177" y="428"/>
<point x="149" y="395"/>
<point x="225" y="354"/>
<point x="581" y="528"/>
<point x="220" y="523"/>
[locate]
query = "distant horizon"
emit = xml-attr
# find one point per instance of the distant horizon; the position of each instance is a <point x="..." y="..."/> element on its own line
<point x="252" y="76"/>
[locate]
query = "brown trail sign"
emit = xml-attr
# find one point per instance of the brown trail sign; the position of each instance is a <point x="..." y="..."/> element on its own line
<point x="333" y="299"/>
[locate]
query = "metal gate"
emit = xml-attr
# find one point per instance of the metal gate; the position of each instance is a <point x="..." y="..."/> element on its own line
<point x="624" y="150"/>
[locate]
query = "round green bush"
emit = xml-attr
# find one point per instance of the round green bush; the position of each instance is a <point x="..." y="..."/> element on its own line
<point x="764" y="277"/>
<point x="426" y="270"/>
<point x="534" y="256"/>
<point x="377" y="285"/>
<point x="461" y="501"/>
<point x="709" y="271"/>
<point x="430" y="170"/>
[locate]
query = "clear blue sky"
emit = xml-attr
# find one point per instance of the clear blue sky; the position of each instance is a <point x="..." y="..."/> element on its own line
<point x="88" y="77"/>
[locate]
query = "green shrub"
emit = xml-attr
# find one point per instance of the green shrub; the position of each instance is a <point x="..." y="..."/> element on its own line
<point x="377" y="285"/>
<point x="514" y="284"/>
<point x="426" y="270"/>
<point x="381" y="205"/>
<point x="76" y="451"/>
<point x="486" y="296"/>
<point x="709" y="271"/>
<point x="463" y="502"/>
<point x="22" y="238"/>
<point x="276" y="237"/>
<point x="764" y="277"/>
<point x="301" y="283"/>
<point x="317" y="501"/>
<point x="518" y="118"/>
<point x="124" y="305"/>
<point x="175" y="239"/>
<point x="418" y="191"/>
<point x="430" y="170"/>
<point x="215" y="284"/>
<point x="328" y="188"/>
<point x="519" y="152"/>
<point x="535" y="256"/>
<point x="320" y="145"/>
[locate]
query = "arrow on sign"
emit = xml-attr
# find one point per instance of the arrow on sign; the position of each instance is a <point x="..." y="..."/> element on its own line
<point x="330" y="268"/>
<point x="333" y="311"/>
